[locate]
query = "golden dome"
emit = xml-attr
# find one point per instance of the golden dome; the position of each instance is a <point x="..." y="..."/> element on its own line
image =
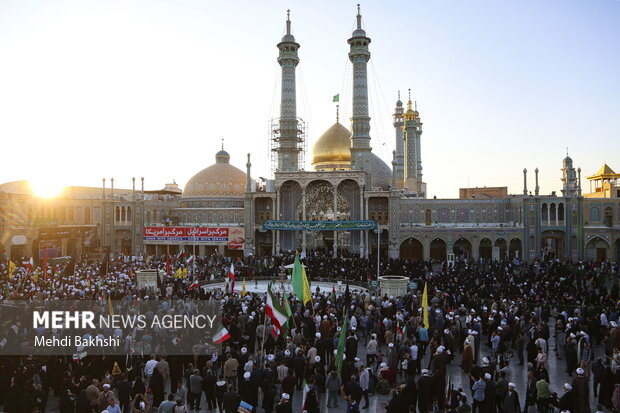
<point x="220" y="180"/>
<point x="333" y="149"/>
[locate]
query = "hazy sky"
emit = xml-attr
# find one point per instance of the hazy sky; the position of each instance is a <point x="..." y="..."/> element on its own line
<point x="92" y="89"/>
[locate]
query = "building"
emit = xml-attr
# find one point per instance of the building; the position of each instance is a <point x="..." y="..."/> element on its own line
<point x="606" y="184"/>
<point x="492" y="192"/>
<point x="351" y="200"/>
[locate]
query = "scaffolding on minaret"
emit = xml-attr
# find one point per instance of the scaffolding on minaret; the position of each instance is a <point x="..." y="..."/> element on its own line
<point x="274" y="143"/>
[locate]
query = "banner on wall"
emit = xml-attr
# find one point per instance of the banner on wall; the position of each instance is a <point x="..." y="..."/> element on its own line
<point x="320" y="225"/>
<point x="234" y="237"/>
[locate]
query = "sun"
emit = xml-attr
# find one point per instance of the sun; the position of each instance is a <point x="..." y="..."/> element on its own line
<point x="46" y="187"/>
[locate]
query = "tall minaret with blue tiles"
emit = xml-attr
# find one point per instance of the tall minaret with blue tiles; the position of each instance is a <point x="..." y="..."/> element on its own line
<point x="288" y="148"/>
<point x="399" y="156"/>
<point x="360" y="121"/>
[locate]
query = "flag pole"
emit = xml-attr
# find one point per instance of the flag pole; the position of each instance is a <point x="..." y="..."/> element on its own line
<point x="289" y="306"/>
<point x="262" y="345"/>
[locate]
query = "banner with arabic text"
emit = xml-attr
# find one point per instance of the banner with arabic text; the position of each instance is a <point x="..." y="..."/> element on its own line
<point x="320" y="225"/>
<point x="234" y="237"/>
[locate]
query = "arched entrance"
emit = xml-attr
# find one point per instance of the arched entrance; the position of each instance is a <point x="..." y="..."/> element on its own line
<point x="438" y="249"/>
<point x="263" y="240"/>
<point x="552" y="244"/>
<point x="123" y="242"/>
<point x="597" y="249"/>
<point x="485" y="250"/>
<point x="500" y="244"/>
<point x="349" y="191"/>
<point x="412" y="249"/>
<point x="515" y="249"/>
<point x="462" y="249"/>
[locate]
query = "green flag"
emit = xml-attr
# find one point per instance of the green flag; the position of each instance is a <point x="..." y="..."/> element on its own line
<point x="342" y="341"/>
<point x="287" y="309"/>
<point x="336" y="98"/>
<point x="300" y="282"/>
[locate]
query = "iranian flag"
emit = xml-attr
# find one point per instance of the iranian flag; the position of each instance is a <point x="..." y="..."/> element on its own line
<point x="190" y="260"/>
<point x="195" y="284"/>
<point x="274" y="310"/>
<point x="306" y="389"/>
<point x="221" y="335"/>
<point x="29" y="264"/>
<point x="231" y="277"/>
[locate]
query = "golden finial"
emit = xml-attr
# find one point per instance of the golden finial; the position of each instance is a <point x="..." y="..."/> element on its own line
<point x="222" y="143"/>
<point x="409" y="102"/>
<point x="337" y="113"/>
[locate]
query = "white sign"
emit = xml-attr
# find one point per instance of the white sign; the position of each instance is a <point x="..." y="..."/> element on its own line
<point x="147" y="279"/>
<point x="18" y="240"/>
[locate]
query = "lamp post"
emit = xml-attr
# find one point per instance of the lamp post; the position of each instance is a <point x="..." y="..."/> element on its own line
<point x="378" y="231"/>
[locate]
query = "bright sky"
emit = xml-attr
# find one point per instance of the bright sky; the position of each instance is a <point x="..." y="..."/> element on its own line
<point x="122" y="88"/>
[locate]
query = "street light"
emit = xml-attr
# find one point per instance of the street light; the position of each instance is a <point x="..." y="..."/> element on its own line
<point x="378" y="231"/>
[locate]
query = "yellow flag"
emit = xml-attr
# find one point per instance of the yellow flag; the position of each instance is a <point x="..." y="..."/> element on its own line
<point x="307" y="294"/>
<point x="35" y="276"/>
<point x="184" y="273"/>
<point x="12" y="267"/>
<point x="110" y="307"/>
<point x="425" y="307"/>
<point x="243" y="288"/>
<point x="177" y="273"/>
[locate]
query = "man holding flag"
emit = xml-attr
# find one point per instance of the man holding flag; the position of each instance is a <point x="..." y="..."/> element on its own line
<point x="342" y="341"/>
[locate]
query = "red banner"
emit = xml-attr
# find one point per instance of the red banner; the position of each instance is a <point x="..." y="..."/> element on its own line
<point x="196" y="234"/>
<point x="233" y="237"/>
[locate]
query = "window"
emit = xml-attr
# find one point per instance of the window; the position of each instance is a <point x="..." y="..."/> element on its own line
<point x="609" y="216"/>
<point x="428" y="217"/>
<point x="595" y="214"/>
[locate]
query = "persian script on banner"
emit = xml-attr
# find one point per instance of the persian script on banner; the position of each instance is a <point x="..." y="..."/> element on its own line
<point x="234" y="237"/>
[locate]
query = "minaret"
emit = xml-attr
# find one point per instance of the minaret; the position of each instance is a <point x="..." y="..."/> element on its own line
<point x="569" y="177"/>
<point x="418" y="149"/>
<point x="248" y="180"/>
<point x="412" y="130"/>
<point x="394" y="184"/>
<point x="360" y="121"/>
<point x="400" y="144"/>
<point x="288" y="150"/>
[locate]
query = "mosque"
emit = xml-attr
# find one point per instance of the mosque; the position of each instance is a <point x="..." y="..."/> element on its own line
<point x="351" y="202"/>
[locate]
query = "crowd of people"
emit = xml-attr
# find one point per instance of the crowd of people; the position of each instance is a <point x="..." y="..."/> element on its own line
<point x="482" y="319"/>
